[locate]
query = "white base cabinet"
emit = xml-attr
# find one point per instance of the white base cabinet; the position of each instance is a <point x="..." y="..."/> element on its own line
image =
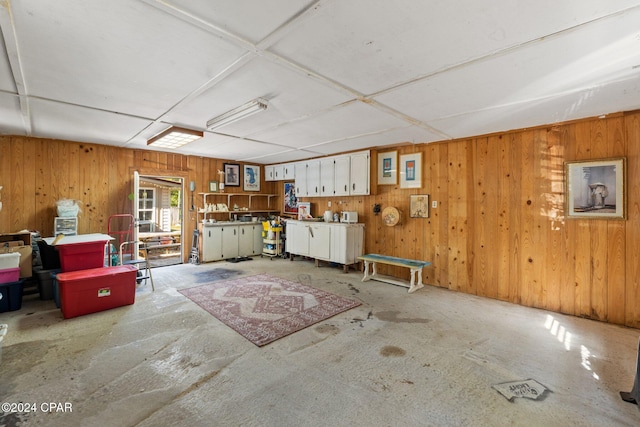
<point x="225" y="240"/>
<point x="325" y="241"/>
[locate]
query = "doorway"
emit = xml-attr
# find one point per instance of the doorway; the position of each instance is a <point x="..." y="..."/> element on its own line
<point x="159" y="217"/>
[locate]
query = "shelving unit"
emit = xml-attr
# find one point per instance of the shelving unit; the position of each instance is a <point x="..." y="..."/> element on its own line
<point x="213" y="198"/>
<point x="271" y="243"/>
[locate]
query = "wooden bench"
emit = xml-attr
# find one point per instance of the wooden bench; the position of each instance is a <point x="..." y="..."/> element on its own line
<point x="414" y="266"/>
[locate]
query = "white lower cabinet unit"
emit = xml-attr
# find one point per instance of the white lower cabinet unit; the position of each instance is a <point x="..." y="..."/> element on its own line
<point x="225" y="240"/>
<point x="334" y="242"/>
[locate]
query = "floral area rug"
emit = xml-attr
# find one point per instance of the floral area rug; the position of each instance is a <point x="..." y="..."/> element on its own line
<point x="264" y="308"/>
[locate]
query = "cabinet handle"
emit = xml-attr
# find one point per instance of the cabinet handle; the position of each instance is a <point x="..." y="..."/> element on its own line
<point x="354" y="185"/>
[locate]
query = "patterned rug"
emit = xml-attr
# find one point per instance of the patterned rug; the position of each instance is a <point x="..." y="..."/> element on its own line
<point x="264" y="308"/>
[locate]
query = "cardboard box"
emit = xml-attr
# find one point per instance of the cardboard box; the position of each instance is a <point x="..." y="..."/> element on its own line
<point x="97" y="289"/>
<point x="9" y="244"/>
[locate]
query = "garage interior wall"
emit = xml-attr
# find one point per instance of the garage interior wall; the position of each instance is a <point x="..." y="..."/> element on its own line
<point x="499" y="230"/>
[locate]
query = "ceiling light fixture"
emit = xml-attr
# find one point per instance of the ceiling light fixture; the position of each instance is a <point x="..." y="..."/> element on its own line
<point x="236" y="114"/>
<point x="174" y="137"/>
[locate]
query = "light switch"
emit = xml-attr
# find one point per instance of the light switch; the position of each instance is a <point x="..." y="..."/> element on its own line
<point x="434" y="204"/>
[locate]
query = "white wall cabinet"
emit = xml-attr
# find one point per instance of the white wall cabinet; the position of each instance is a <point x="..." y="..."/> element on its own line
<point x="327" y="176"/>
<point x="224" y="240"/>
<point x="334" y="242"/>
<point x="288" y="171"/>
<point x="344" y="175"/>
<point x="359" y="174"/>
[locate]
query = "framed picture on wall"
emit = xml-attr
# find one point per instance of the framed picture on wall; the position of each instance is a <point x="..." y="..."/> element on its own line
<point x="251" y="178"/>
<point x="232" y="174"/>
<point x="419" y="206"/>
<point x="388" y="168"/>
<point x="213" y="186"/>
<point x="596" y="189"/>
<point x="411" y="170"/>
<point x="290" y="199"/>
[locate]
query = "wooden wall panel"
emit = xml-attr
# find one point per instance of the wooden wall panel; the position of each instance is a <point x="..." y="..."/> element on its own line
<point x="632" y="232"/>
<point x="499" y="230"/>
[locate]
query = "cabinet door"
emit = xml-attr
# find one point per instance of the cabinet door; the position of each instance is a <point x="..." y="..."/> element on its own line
<point x="229" y="241"/>
<point x="327" y="172"/>
<point x="347" y="241"/>
<point x="359" y="174"/>
<point x="278" y="172"/>
<point x="288" y="171"/>
<point x="313" y="178"/>
<point x="245" y="240"/>
<point x="211" y="244"/>
<point x="257" y="239"/>
<point x="320" y="241"/>
<point x="269" y="173"/>
<point x="297" y="238"/>
<point x="342" y="175"/>
<point x="301" y="179"/>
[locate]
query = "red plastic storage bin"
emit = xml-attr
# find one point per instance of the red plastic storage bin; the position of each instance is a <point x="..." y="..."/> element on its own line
<point x="8" y="275"/>
<point x="96" y="289"/>
<point x="81" y="256"/>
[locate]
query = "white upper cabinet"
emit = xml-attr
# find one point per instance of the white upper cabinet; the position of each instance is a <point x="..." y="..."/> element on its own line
<point x="269" y="173"/>
<point x="327" y="172"/>
<point x="288" y="171"/>
<point x="301" y="179"/>
<point x="313" y="178"/>
<point x="359" y="174"/>
<point x="344" y="175"/>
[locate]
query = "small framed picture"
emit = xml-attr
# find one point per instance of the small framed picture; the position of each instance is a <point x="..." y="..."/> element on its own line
<point x="419" y="206"/>
<point x="596" y="189"/>
<point x="388" y="168"/>
<point x="232" y="174"/>
<point x="251" y="178"/>
<point x="411" y="170"/>
<point x="213" y="186"/>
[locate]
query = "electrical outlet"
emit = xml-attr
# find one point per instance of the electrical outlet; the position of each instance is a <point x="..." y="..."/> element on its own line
<point x="329" y="203"/>
<point x="434" y="204"/>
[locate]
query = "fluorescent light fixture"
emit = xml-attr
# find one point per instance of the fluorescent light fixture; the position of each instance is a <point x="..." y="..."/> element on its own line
<point x="236" y="114"/>
<point x="174" y="137"/>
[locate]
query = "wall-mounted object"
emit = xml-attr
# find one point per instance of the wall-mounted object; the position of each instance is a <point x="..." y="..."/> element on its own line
<point x="231" y="174"/>
<point x="419" y="206"/>
<point x="388" y="168"/>
<point x="390" y="216"/>
<point x="251" y="178"/>
<point x="596" y="189"/>
<point x="213" y="186"/>
<point x="411" y="170"/>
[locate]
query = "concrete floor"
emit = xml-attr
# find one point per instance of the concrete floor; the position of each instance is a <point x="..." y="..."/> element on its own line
<point x="423" y="359"/>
